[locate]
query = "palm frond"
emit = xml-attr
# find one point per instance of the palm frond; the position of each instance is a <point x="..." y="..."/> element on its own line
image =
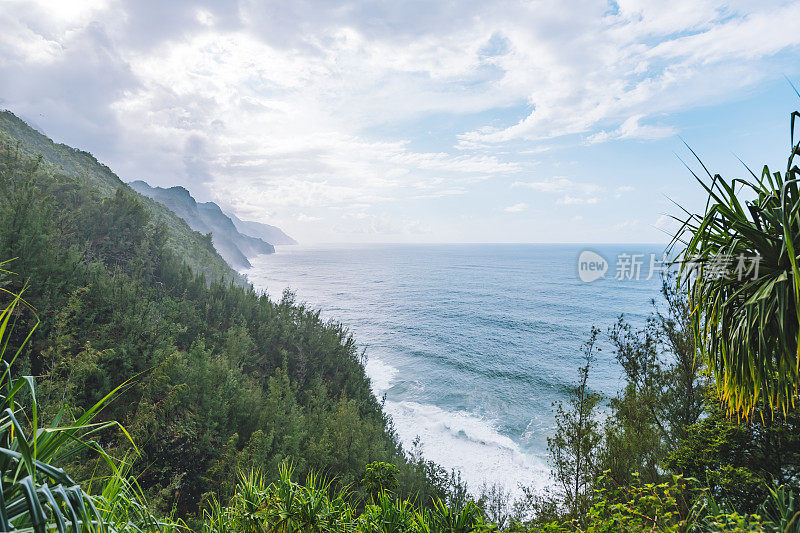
<point x="747" y="326"/>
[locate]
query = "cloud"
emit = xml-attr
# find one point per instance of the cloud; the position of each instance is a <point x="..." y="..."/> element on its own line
<point x="637" y="63"/>
<point x="441" y="194"/>
<point x="560" y="185"/>
<point x="627" y="225"/>
<point x="570" y="192"/>
<point x="667" y="225"/>
<point x="631" y="129"/>
<point x="516" y="208"/>
<point x="574" y="200"/>
<point x="62" y="69"/>
<point x="623" y="189"/>
<point x="277" y="108"/>
<point x="367" y="225"/>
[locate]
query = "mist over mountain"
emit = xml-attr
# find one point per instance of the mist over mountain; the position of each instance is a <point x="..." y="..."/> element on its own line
<point x="271" y="234"/>
<point x="207" y="217"/>
<point x="174" y="207"/>
<point x="57" y="158"/>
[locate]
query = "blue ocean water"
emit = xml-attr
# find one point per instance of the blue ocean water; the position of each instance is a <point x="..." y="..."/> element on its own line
<point x="471" y="344"/>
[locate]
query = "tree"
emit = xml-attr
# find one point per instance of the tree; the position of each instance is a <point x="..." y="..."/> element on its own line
<point x="741" y="271"/>
<point x="574" y="446"/>
<point x="739" y="461"/>
<point x="686" y="383"/>
<point x="663" y="392"/>
<point x="36" y="494"/>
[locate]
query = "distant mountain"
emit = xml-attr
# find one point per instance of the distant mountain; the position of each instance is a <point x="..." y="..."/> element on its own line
<point x="60" y="159"/>
<point x="207" y="217"/>
<point x="271" y="234"/>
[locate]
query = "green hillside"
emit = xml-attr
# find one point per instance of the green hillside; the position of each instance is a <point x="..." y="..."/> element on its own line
<point x="195" y="248"/>
<point x="218" y="378"/>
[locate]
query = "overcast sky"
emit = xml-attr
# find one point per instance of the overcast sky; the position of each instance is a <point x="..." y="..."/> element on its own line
<point x="413" y="121"/>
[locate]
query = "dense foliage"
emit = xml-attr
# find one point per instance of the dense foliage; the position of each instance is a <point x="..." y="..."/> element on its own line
<point x="223" y="378"/>
<point x="35" y="493"/>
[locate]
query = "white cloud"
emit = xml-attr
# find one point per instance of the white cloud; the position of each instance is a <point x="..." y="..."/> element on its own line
<point x="631" y="129"/>
<point x="441" y="194"/>
<point x="300" y="107"/>
<point x="623" y="189"/>
<point x="627" y="225"/>
<point x="516" y="208"/>
<point x="570" y="192"/>
<point x="367" y="225"/>
<point x="559" y="184"/>
<point x="47" y="30"/>
<point x="575" y="200"/>
<point x="667" y="225"/>
<point x="638" y="63"/>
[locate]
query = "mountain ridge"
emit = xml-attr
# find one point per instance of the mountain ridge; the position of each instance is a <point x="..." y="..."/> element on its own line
<point x="234" y="246"/>
<point x="59" y="158"/>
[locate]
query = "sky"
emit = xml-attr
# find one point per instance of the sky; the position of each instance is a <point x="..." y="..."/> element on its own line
<point x="418" y="121"/>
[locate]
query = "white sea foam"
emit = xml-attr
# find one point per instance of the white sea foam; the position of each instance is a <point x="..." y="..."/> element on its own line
<point x="458" y="440"/>
<point x="469" y="444"/>
<point x="380" y="374"/>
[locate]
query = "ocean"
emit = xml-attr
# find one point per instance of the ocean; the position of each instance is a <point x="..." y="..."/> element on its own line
<point x="470" y="344"/>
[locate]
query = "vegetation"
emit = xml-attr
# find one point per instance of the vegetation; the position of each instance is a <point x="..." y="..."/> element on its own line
<point x="663" y="464"/>
<point x="574" y="445"/>
<point x="195" y="249"/>
<point x="35" y="493"/>
<point x="747" y="323"/>
<point x="158" y="398"/>
<point x="286" y="505"/>
<point x="222" y="378"/>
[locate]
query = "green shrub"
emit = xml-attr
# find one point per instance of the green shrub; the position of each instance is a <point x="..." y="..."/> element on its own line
<point x="36" y="493"/>
<point x="380" y="477"/>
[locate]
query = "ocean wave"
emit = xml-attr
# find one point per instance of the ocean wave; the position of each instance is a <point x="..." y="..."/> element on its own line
<point x="469" y="444"/>
<point x="458" y="440"/>
<point x="381" y="374"/>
